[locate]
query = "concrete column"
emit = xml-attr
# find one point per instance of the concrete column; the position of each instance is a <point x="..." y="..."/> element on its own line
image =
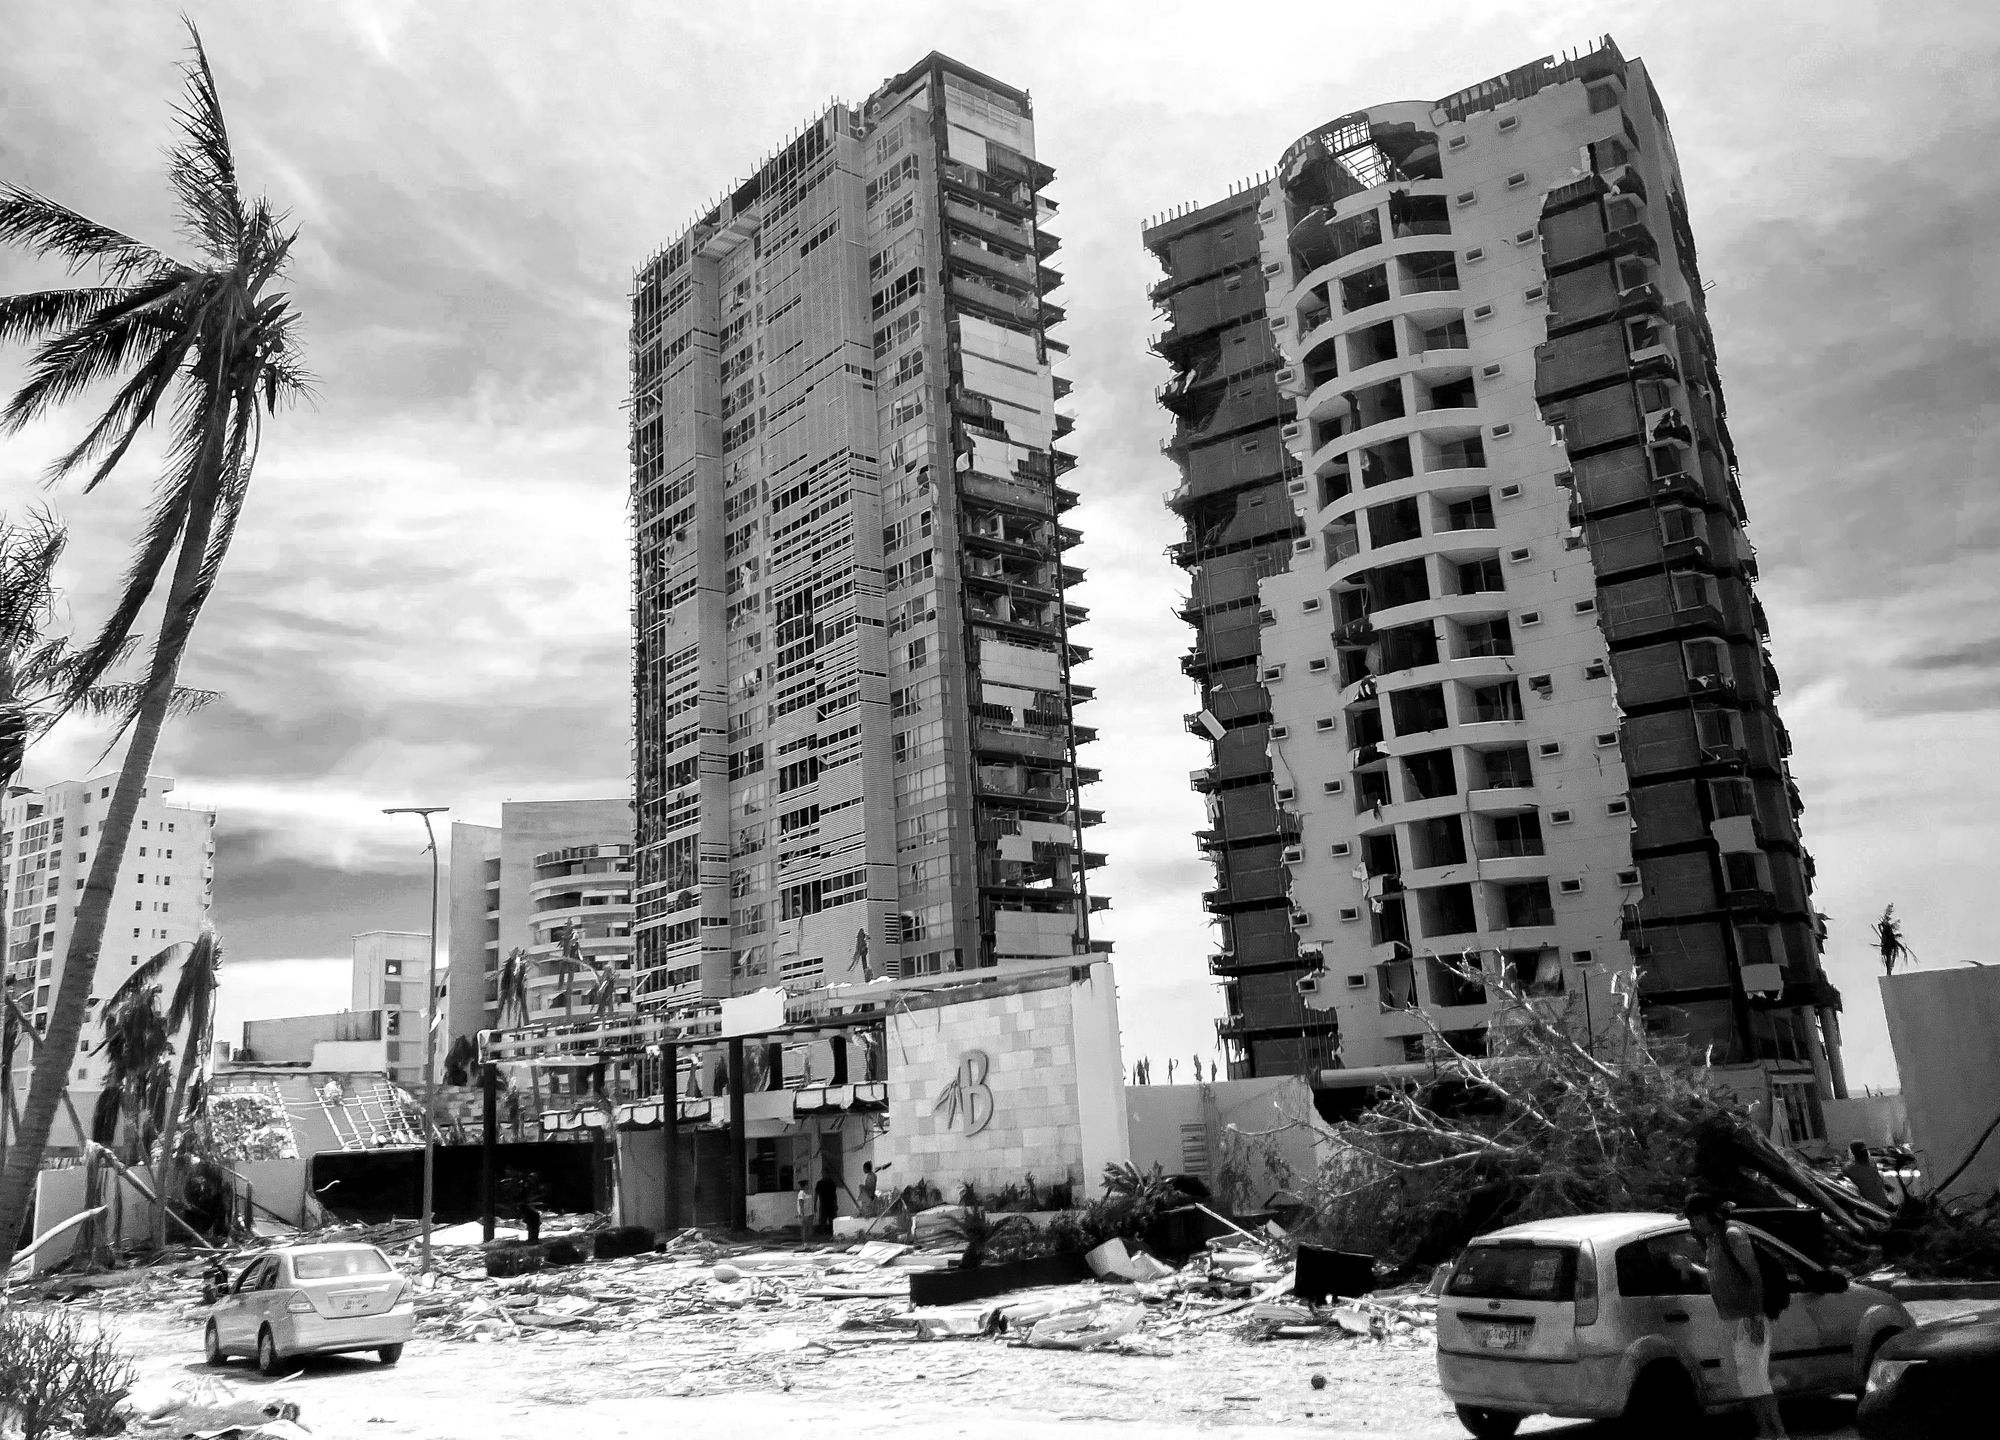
<point x="739" y="1142"/>
<point x="670" y="1129"/>
<point x="489" y="1084"/>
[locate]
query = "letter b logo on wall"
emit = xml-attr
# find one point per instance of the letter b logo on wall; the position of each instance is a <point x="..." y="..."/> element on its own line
<point x="967" y="1101"/>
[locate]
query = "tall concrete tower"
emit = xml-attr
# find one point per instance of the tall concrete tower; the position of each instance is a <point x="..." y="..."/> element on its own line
<point x="856" y="750"/>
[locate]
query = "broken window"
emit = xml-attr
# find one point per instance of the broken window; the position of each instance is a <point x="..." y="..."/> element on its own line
<point x="1396" y="983"/>
<point x="1514" y="835"/>
<point x="1457" y="979"/>
<point x="1486" y="638"/>
<point x="1403" y="584"/>
<point x="1388" y="462"/>
<point x="1364" y="288"/>
<point x="1507" y="768"/>
<point x="1537" y="974"/>
<point x="1438" y="841"/>
<point x="1372" y="345"/>
<point x="1527" y="904"/>
<point x="1473" y="513"/>
<point x="1394" y="523"/>
<point x="1456" y="394"/>
<point x="1446" y="910"/>
<point x="1487" y="704"/>
<point x="1419" y="710"/>
<point x="1481" y="577"/>
<point x="1430" y="774"/>
<point x="1429" y="271"/>
<point x="1408" y="646"/>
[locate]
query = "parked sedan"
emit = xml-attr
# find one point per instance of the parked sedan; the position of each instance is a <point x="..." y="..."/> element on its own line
<point x="1604" y="1316"/>
<point x="1937" y="1380"/>
<point x="312" y="1300"/>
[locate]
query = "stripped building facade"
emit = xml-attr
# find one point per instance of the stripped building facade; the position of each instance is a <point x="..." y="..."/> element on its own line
<point x="856" y="754"/>
<point x="1519" y="720"/>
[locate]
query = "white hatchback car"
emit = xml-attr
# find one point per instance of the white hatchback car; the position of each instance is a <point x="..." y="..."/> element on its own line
<point x="312" y="1300"/>
<point x="1601" y="1316"/>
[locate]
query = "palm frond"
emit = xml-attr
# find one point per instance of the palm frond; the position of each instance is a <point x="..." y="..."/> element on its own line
<point x="129" y="412"/>
<point x="104" y="1116"/>
<point x="29" y="551"/>
<point x="195" y="990"/>
<point x="26" y="317"/>
<point x="143" y="976"/>
<point x="120" y="700"/>
<point x="109" y="339"/>
<point x="202" y="168"/>
<point x="40" y="225"/>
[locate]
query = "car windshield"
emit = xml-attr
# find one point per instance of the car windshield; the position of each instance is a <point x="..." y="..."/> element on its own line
<point x="332" y="1264"/>
<point x="1515" y="1272"/>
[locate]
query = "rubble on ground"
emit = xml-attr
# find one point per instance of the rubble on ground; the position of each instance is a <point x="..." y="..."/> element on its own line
<point x="818" y="1302"/>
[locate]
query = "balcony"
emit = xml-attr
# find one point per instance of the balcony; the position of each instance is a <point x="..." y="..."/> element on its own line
<point x="1009" y="232"/>
<point x="1021" y="309"/>
<point x="965" y="252"/>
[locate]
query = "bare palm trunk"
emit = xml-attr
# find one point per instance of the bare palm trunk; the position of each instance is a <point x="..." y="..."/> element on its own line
<point x="79" y="977"/>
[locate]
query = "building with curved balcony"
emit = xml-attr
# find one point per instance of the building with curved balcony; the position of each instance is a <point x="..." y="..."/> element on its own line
<point x="549" y="869"/>
<point x="1519" y="722"/>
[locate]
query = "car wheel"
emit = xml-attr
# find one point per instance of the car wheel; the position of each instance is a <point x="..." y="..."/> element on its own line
<point x="1663" y="1404"/>
<point x="1874" y="1349"/>
<point x="269" y="1361"/>
<point x="211" y="1346"/>
<point x="1489" y="1424"/>
<point x="390" y="1354"/>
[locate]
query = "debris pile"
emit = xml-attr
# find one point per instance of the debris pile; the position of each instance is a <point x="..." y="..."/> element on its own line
<point x="1545" y="1124"/>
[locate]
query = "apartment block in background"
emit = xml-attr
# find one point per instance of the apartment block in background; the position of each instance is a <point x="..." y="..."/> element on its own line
<point x="856" y="757"/>
<point x="161" y="899"/>
<point x="1229" y="417"/>
<point x="548" y="864"/>
<point x="1521" y="714"/>
<point x="390" y="967"/>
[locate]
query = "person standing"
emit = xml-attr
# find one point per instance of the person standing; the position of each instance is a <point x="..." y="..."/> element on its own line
<point x="1863" y="1176"/>
<point x="827" y="1193"/>
<point x="871" y="1201"/>
<point x="1738" y="1287"/>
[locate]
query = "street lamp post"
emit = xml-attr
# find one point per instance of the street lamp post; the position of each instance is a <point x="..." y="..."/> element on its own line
<point x="424" y="812"/>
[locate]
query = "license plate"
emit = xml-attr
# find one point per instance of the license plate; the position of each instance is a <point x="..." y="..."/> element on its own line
<point x="349" y="1302"/>
<point x="1501" y="1335"/>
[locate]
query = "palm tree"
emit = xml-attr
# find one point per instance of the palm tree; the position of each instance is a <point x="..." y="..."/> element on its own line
<point x="515" y="1012"/>
<point x="191" y="1014"/>
<point x="1889" y="941"/>
<point x="136" y="1047"/>
<point x="204" y="341"/>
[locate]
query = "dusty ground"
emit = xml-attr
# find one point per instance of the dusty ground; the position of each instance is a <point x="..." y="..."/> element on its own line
<point x="785" y="1366"/>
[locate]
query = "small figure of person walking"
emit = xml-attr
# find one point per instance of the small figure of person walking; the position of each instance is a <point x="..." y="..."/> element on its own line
<point x="1738" y="1287"/>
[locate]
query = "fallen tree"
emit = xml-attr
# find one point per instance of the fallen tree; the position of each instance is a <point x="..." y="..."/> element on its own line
<point x="1555" y="1119"/>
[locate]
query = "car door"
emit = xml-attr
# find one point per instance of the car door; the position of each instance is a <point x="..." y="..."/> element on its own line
<point x="1812" y="1343"/>
<point x="232" y="1319"/>
<point x="1665" y="1292"/>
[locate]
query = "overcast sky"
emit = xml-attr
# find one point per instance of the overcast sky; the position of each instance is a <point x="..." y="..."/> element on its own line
<point x="427" y="600"/>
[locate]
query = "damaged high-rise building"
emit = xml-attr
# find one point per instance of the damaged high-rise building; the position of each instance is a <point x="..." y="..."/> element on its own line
<point x="856" y="752"/>
<point x="1478" y="645"/>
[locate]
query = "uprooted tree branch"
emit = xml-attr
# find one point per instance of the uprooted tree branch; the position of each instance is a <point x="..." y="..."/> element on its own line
<point x="1557" y="1119"/>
